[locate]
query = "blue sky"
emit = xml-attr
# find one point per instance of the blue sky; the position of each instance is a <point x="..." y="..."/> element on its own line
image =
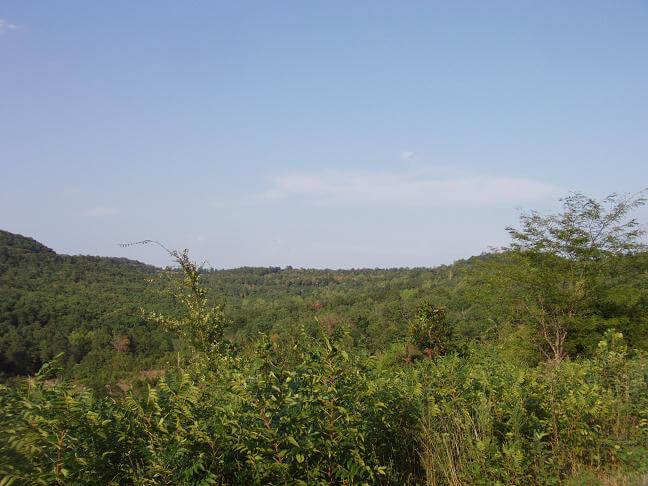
<point x="315" y="134"/>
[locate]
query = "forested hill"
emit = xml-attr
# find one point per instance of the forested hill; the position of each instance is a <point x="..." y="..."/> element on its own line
<point x="90" y="308"/>
<point x="379" y="304"/>
<point x="376" y="304"/>
<point x="51" y="303"/>
<point x="85" y="306"/>
<point x="523" y="366"/>
<point x="14" y="248"/>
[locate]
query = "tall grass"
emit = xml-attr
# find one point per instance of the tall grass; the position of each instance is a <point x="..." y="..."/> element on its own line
<point x="490" y="422"/>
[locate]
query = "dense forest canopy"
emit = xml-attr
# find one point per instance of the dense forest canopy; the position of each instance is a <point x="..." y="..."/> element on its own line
<point x="84" y="305"/>
<point x="523" y="365"/>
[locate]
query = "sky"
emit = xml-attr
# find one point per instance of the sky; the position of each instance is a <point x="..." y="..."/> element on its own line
<point x="313" y="134"/>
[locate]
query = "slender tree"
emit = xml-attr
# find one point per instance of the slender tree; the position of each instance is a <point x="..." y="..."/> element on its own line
<point x="562" y="260"/>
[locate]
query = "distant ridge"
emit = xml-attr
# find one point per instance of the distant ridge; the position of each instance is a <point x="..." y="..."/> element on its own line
<point x="15" y="248"/>
<point x="51" y="303"/>
<point x="15" y="243"/>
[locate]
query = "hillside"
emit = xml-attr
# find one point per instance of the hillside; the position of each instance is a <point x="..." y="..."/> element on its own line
<point x="525" y="366"/>
<point x="80" y="305"/>
<point x="86" y="306"/>
<point x="52" y="303"/>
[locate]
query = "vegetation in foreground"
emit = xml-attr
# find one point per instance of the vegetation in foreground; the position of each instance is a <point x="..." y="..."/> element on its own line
<point x="527" y="366"/>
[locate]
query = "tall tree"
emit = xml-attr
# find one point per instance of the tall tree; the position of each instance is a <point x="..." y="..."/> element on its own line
<point x="561" y="263"/>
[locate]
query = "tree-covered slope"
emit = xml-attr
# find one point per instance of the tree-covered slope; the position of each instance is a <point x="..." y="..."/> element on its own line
<point x="80" y="305"/>
<point x="84" y="306"/>
<point x="90" y="307"/>
<point x="523" y="366"/>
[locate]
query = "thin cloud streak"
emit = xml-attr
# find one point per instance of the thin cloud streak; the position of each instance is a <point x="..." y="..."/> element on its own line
<point x="413" y="189"/>
<point x="6" y="26"/>
<point x="100" y="212"/>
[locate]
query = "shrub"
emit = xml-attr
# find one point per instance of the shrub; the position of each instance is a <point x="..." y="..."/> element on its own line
<point x="490" y="421"/>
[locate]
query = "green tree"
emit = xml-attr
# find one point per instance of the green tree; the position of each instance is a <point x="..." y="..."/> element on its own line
<point x="200" y="323"/>
<point x="429" y="331"/>
<point x="561" y="263"/>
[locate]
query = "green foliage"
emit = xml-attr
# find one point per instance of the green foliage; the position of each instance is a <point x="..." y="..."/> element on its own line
<point x="81" y="305"/>
<point x="318" y="413"/>
<point x="293" y="376"/>
<point x="78" y="305"/>
<point x="313" y="413"/>
<point x="321" y="420"/>
<point x="490" y="421"/>
<point x="561" y="267"/>
<point x="586" y="229"/>
<point x="428" y="331"/>
<point x="202" y="323"/>
<point x="327" y="418"/>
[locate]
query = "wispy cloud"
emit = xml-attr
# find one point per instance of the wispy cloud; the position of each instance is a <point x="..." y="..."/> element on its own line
<point x="406" y="155"/>
<point x="6" y="26"/>
<point x="413" y="188"/>
<point x="100" y="212"/>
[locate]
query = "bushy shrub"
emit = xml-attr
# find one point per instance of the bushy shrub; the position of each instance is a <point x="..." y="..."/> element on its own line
<point x="491" y="421"/>
<point x="428" y="331"/>
<point x="326" y="417"/>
